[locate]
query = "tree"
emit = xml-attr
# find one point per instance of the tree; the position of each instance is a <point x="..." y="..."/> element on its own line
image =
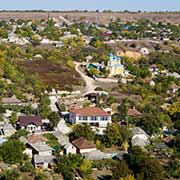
<point x="120" y="170"/>
<point x="151" y="169"/>
<point x="41" y="176"/>
<point x="35" y="40"/>
<point x="116" y="135"/>
<point x="149" y="122"/>
<point x="12" y="174"/>
<point x="94" y="72"/>
<point x="44" y="107"/>
<point x="85" y="168"/>
<point x="27" y="167"/>
<point x="128" y="177"/>
<point x="144" y="166"/>
<point x="54" y="120"/>
<point x="19" y="133"/>
<point x="82" y="131"/>
<point x="12" y="151"/>
<point x="13" y="118"/>
<point x="176" y="142"/>
<point x="174" y="110"/>
<point x="67" y="165"/>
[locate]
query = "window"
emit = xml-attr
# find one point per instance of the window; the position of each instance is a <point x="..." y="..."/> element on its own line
<point x="93" y="118"/>
<point x="104" y="118"/>
<point x="83" y="118"/>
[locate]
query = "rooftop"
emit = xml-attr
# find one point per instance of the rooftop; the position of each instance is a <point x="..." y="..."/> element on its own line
<point x="39" y="147"/>
<point x="133" y="112"/>
<point x="10" y="100"/>
<point x="83" y="143"/>
<point x="43" y="159"/>
<point x="26" y="120"/>
<point x="90" y="111"/>
<point x="34" y="138"/>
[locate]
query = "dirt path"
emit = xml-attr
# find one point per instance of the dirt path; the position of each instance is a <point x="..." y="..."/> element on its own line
<point x="90" y="83"/>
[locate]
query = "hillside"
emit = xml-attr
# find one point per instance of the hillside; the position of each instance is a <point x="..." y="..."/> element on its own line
<point x="93" y="16"/>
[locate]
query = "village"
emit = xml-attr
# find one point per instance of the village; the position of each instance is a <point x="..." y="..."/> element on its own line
<point x="91" y="96"/>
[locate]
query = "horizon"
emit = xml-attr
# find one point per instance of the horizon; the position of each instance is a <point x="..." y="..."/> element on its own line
<point x="93" y="5"/>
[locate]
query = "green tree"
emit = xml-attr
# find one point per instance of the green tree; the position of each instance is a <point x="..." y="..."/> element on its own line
<point x="12" y="174"/>
<point x="54" y="120"/>
<point x="149" y="122"/>
<point x="128" y="177"/>
<point x="12" y="151"/>
<point x="144" y="166"/>
<point x="41" y="176"/>
<point x="120" y="170"/>
<point x="116" y="135"/>
<point x="27" y="167"/>
<point x="13" y="118"/>
<point x="94" y="72"/>
<point x="19" y="133"/>
<point x="82" y="131"/>
<point x="68" y="165"/>
<point x="44" y="107"/>
<point x="85" y="168"/>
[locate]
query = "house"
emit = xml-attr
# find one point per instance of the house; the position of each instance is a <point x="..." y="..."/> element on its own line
<point x="92" y="96"/>
<point x="62" y="138"/>
<point x="4" y="167"/>
<point x="59" y="44"/>
<point x="38" y="56"/>
<point x="70" y="149"/>
<point x="30" y="123"/>
<point x="120" y="155"/>
<point x="7" y="130"/>
<point x="43" y="162"/>
<point x="174" y="74"/>
<point x="62" y="126"/>
<point x="93" y="116"/>
<point x="41" y="149"/>
<point x="96" y="155"/>
<point x="97" y="66"/>
<point x="144" y="51"/>
<point x="133" y="112"/>
<point x="140" y="137"/>
<point x="88" y="58"/>
<point x="154" y="69"/>
<point x="45" y="41"/>
<point x="11" y="101"/>
<point x="114" y="65"/>
<point x="83" y="145"/>
<point x="174" y="88"/>
<point x="36" y="138"/>
<point x="28" y="150"/>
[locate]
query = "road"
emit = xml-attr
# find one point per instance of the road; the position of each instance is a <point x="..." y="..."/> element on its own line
<point x="90" y="83"/>
<point x="132" y="40"/>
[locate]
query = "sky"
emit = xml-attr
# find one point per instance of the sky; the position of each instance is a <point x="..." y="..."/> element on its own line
<point x="132" y="5"/>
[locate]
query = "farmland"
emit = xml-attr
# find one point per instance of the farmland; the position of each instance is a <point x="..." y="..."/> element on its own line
<point x="93" y="16"/>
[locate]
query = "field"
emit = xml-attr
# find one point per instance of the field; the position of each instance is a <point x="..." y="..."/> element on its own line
<point x="93" y="16"/>
<point x="52" y="74"/>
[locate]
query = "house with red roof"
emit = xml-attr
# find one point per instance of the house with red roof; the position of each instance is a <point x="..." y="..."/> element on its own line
<point x="93" y="116"/>
<point x="133" y="112"/>
<point x="83" y="145"/>
<point x="30" y="123"/>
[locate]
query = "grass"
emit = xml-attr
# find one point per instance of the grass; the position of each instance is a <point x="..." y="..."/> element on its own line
<point x="52" y="74"/>
<point x="52" y="141"/>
